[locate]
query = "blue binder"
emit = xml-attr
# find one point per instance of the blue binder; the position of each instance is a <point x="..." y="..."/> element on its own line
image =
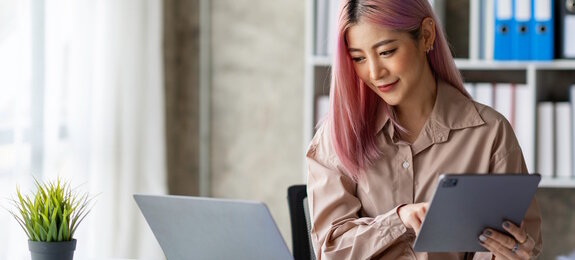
<point x="502" y="39"/>
<point x="542" y="35"/>
<point x="522" y="32"/>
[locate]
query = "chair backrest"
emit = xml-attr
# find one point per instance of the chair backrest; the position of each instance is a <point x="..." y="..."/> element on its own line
<point x="300" y="223"/>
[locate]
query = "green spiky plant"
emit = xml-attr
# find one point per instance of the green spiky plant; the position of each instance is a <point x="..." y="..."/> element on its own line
<point x="53" y="213"/>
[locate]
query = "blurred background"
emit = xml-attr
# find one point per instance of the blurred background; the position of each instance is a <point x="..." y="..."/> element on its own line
<point x="185" y="97"/>
<point x="148" y="96"/>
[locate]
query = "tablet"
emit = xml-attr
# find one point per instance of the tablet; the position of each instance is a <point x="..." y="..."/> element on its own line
<point x="463" y="205"/>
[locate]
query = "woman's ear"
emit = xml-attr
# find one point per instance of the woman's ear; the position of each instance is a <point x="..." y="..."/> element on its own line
<point x="428" y="34"/>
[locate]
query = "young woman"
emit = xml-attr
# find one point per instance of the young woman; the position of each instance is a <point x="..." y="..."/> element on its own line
<point x="399" y="117"/>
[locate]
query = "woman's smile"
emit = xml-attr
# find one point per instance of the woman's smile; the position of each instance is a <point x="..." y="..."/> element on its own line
<point x="387" y="87"/>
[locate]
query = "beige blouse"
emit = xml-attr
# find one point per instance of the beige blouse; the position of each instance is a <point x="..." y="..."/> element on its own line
<point x="359" y="221"/>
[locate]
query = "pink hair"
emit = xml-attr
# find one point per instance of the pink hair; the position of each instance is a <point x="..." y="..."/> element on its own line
<point x="353" y="106"/>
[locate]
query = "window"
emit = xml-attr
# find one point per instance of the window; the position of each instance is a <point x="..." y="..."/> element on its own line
<point x="32" y="105"/>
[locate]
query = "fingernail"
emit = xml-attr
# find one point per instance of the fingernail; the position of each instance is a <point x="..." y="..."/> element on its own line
<point x="506" y="224"/>
<point x="487" y="233"/>
<point x="482" y="238"/>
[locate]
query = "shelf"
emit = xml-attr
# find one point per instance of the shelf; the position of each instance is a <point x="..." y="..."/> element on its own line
<point x="555" y="65"/>
<point x="489" y="65"/>
<point x="514" y="65"/>
<point x="547" y="182"/>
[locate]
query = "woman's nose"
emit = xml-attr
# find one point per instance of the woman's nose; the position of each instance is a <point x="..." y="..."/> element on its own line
<point x="377" y="70"/>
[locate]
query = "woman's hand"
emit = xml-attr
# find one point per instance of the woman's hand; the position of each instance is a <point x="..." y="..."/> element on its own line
<point x="518" y="246"/>
<point x="412" y="215"/>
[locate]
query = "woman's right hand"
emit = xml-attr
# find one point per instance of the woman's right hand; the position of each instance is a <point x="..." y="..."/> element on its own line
<point x="412" y="215"/>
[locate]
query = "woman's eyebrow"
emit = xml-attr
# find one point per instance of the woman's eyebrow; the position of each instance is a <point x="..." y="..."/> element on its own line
<point x="378" y="44"/>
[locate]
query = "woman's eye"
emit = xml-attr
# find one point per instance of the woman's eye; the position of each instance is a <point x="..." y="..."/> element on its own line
<point x="387" y="53"/>
<point x="357" y="59"/>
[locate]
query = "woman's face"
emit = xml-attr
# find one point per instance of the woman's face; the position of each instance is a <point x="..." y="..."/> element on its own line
<point x="391" y="63"/>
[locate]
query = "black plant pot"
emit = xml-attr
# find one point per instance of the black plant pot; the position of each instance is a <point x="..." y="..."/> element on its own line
<point x="52" y="250"/>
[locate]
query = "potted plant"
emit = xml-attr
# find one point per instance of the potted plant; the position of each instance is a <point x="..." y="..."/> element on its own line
<point x="50" y="218"/>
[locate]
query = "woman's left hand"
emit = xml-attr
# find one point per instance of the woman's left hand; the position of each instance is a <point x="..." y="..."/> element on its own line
<point x="518" y="246"/>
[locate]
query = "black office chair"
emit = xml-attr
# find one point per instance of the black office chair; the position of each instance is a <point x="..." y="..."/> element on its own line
<point x="300" y="223"/>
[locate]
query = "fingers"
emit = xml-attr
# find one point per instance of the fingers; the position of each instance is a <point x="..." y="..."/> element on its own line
<point x="415" y="222"/>
<point x="506" y="241"/>
<point x="498" y="250"/>
<point x="420" y="216"/>
<point x="424" y="207"/>
<point x="514" y="230"/>
<point x="414" y="219"/>
<point x="519" y="234"/>
<point x="412" y="215"/>
<point x="504" y="245"/>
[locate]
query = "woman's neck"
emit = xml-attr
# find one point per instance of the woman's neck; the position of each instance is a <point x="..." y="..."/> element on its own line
<point x="413" y="113"/>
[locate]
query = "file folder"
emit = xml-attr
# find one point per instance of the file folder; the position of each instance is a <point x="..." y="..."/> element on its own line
<point x="525" y="123"/>
<point x="545" y="139"/>
<point x="502" y="38"/>
<point x="563" y="140"/>
<point x="542" y="41"/>
<point x="505" y="100"/>
<point x="485" y="93"/>
<point x="487" y="33"/>
<point x="565" y="31"/>
<point x="521" y="33"/>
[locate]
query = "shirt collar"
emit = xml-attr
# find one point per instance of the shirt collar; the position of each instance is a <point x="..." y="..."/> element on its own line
<point x="452" y="110"/>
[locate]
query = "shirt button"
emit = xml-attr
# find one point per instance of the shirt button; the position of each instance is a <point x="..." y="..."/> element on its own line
<point x="405" y="164"/>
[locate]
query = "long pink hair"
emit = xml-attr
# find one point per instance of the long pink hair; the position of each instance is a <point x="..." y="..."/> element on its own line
<point x="353" y="106"/>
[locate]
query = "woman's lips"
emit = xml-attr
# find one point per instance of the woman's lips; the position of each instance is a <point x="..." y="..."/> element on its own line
<point x="388" y="87"/>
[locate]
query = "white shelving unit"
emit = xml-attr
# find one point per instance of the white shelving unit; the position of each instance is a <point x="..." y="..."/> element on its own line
<point x="548" y="81"/>
<point x="557" y="183"/>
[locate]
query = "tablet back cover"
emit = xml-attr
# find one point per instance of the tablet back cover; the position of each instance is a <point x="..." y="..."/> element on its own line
<point x="465" y="204"/>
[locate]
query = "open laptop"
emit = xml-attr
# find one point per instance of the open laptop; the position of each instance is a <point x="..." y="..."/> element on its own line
<point x="206" y="228"/>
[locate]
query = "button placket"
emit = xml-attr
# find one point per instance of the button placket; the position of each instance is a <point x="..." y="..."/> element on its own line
<point x="404" y="164"/>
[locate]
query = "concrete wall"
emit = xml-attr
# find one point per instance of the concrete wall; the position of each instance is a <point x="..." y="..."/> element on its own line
<point x="257" y="98"/>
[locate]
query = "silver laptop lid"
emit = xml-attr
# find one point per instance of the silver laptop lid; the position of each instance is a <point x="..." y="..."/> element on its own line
<point x="205" y="228"/>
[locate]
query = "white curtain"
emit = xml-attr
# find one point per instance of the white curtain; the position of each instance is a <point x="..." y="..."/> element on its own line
<point x="103" y="118"/>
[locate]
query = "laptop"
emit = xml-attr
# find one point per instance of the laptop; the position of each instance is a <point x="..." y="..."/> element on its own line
<point x="463" y="205"/>
<point x="207" y="228"/>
